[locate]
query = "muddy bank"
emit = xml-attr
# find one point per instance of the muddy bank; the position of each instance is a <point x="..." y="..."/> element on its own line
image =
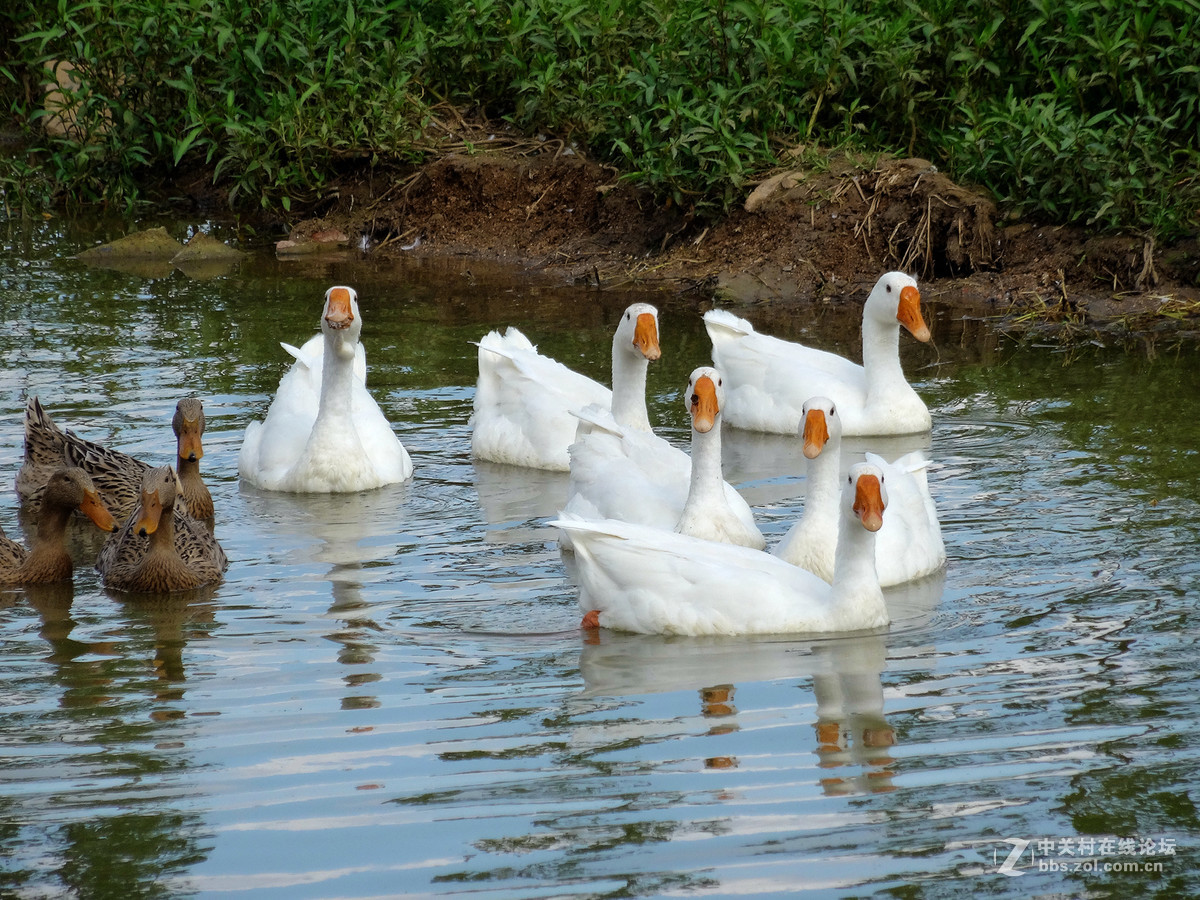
<point x="800" y="237"/>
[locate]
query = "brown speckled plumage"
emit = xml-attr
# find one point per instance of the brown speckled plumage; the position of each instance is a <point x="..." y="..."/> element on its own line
<point x="66" y="490"/>
<point x="157" y="552"/>
<point x="117" y="476"/>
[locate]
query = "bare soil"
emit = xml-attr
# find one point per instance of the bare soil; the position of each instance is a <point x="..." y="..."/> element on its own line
<point x="799" y="237"/>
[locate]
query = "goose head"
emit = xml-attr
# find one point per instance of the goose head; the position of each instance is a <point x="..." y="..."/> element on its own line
<point x="895" y="298"/>
<point x="189" y="426"/>
<point x="72" y="488"/>
<point x="819" y="424"/>
<point x="159" y="488"/>
<point x="704" y="398"/>
<point x="340" y="318"/>
<point x="637" y="331"/>
<point x="866" y="495"/>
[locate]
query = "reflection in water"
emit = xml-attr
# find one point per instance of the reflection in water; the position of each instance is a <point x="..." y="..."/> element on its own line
<point x="93" y="731"/>
<point x="394" y="702"/>
<point x="354" y="534"/>
<point x="515" y="500"/>
<point x="853" y="737"/>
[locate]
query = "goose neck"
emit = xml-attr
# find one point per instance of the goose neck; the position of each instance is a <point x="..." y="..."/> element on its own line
<point x="629" y="387"/>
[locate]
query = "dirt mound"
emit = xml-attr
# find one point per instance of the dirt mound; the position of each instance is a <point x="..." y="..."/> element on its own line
<point x="801" y="235"/>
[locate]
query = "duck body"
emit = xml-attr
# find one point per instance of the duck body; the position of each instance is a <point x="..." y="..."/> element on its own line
<point x="637" y="476"/>
<point x="116" y="476"/>
<point x="768" y="379"/>
<point x="67" y="490"/>
<point x="642" y="579"/>
<point x="908" y="545"/>
<point x="341" y="442"/>
<point x="524" y="401"/>
<point x="155" y="552"/>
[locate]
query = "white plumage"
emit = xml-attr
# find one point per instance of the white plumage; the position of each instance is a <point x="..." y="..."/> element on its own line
<point x="524" y="401"/>
<point x="909" y="544"/>
<point x="768" y="379"/>
<point x="636" y="476"/>
<point x="324" y="433"/>
<point x="637" y="578"/>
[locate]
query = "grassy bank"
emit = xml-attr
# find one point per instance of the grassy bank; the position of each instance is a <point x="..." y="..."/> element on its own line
<point x="1081" y="112"/>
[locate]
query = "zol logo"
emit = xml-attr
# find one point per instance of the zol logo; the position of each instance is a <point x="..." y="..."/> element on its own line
<point x="1009" y="866"/>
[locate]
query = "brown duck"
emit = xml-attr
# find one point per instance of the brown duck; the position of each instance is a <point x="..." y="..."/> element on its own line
<point x="157" y="552"/>
<point x="117" y="476"/>
<point x="67" y="489"/>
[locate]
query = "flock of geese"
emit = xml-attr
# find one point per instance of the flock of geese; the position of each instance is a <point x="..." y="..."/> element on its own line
<point x="661" y="543"/>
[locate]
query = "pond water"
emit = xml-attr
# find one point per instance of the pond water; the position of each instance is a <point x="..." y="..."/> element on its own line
<point x="389" y="694"/>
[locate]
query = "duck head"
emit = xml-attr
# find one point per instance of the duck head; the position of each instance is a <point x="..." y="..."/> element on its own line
<point x="72" y="488"/>
<point x="189" y="426"/>
<point x="159" y="487"/>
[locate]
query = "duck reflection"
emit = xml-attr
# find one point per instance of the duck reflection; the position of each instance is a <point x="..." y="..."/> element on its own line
<point x="174" y="619"/>
<point x="853" y="739"/>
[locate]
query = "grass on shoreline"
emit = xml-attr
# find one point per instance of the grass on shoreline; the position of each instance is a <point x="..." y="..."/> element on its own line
<point x="1084" y="112"/>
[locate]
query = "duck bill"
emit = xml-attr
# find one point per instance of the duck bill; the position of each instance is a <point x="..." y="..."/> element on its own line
<point x="908" y="313"/>
<point x="816" y="433"/>
<point x="147" y="522"/>
<point x="339" y="313"/>
<point x="190" y="447"/>
<point x="645" y="336"/>
<point x="868" y="502"/>
<point x="93" y="507"/>
<point x="703" y="404"/>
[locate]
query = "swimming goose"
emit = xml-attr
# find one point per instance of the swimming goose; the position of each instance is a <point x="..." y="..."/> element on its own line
<point x="67" y="490"/>
<point x="908" y="546"/>
<point x="156" y="552"/>
<point x="769" y="379"/>
<point x="342" y="442"/>
<point x="637" y="578"/>
<point x="522" y="414"/>
<point x="636" y="476"/>
<point x="116" y="476"/>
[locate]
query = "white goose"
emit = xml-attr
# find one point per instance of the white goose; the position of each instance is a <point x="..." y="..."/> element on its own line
<point x="769" y="379"/>
<point x="636" y="476"/>
<point x="636" y="578"/>
<point x="908" y="546"/>
<point x="342" y="442"/>
<point x="524" y="401"/>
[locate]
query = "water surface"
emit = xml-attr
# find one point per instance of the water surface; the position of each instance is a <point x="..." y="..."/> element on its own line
<point x="389" y="693"/>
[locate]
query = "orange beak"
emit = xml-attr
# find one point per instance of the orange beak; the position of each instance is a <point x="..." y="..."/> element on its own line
<point x="147" y="523"/>
<point x="189" y="440"/>
<point x="645" y="336"/>
<point x="908" y="313"/>
<point x="339" y="313"/>
<point x="93" y="507"/>
<point x="703" y="404"/>
<point x="868" y="502"/>
<point x="816" y="433"/>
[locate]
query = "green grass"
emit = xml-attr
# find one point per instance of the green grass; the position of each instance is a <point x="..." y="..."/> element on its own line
<point x="1081" y="112"/>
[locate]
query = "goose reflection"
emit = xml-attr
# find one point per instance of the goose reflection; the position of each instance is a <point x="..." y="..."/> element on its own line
<point x="517" y="500"/>
<point x="853" y="738"/>
<point x="354" y="536"/>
